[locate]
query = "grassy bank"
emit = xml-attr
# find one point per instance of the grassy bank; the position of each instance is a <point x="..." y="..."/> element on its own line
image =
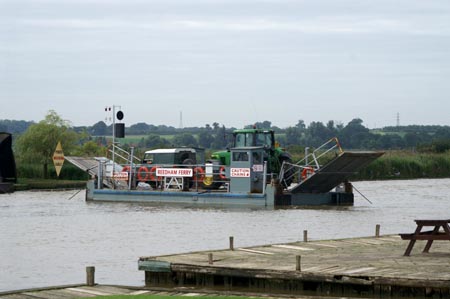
<point x="406" y="165"/>
<point x="48" y="184"/>
<point x="31" y="177"/>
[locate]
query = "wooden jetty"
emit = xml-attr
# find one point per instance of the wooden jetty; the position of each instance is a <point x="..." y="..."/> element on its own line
<point x="84" y="291"/>
<point x="73" y="291"/>
<point x="372" y="267"/>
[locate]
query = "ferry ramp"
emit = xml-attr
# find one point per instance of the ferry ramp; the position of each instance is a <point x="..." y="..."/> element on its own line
<point x="87" y="164"/>
<point x="335" y="172"/>
<point x="90" y="165"/>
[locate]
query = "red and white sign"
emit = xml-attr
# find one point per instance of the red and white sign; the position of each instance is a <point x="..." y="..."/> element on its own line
<point x="240" y="172"/>
<point x="120" y="176"/>
<point x="174" y="172"/>
<point x="258" y="168"/>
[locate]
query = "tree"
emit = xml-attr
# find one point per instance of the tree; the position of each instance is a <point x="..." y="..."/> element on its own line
<point x="185" y="139"/>
<point x="39" y="141"/>
<point x="154" y="141"/>
<point x="354" y="135"/>
<point x="205" y="139"/>
<point x="293" y="136"/>
<point x="139" y="128"/>
<point x="317" y="133"/>
<point x="99" y="129"/>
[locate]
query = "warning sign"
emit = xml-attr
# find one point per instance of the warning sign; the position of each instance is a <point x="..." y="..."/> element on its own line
<point x="239" y="172"/>
<point x="121" y="176"/>
<point x="58" y="158"/>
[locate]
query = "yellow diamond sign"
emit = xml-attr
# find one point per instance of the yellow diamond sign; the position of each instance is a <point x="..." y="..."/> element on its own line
<point x="58" y="158"/>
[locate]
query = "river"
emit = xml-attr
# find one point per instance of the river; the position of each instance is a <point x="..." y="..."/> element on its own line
<point x="48" y="238"/>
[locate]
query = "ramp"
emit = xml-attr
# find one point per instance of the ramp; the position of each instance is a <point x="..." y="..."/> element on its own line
<point x="335" y="172"/>
<point x="89" y="165"/>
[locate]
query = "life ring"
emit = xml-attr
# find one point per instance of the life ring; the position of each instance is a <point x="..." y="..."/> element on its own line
<point x="153" y="176"/>
<point x="307" y="172"/>
<point x="199" y="174"/>
<point x="222" y="172"/>
<point x="126" y="168"/>
<point x="143" y="175"/>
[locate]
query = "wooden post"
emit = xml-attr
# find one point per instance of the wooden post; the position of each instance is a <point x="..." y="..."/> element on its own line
<point x="90" y="276"/>
<point x="231" y="243"/>
<point x="210" y="258"/>
<point x="377" y="231"/>
<point x="305" y="236"/>
<point x="298" y="260"/>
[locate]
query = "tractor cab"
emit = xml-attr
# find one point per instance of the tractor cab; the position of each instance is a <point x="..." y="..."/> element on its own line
<point x="253" y="137"/>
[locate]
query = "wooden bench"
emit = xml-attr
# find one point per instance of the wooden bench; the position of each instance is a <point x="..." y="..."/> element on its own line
<point x="429" y="236"/>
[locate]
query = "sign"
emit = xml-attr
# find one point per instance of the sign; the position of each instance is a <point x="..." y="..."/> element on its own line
<point x="58" y="158"/>
<point x="174" y="172"/>
<point x="120" y="176"/>
<point x="258" y="168"/>
<point x="240" y="172"/>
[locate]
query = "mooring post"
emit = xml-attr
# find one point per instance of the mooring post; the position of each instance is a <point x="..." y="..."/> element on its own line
<point x="231" y="243"/>
<point x="210" y="258"/>
<point x="305" y="236"/>
<point x="298" y="260"/>
<point x="377" y="231"/>
<point x="90" y="276"/>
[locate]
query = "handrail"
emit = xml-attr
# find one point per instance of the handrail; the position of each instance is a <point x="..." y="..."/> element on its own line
<point x="123" y="154"/>
<point x="289" y="170"/>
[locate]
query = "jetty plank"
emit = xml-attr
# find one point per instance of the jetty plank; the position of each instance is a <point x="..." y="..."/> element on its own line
<point x="377" y="264"/>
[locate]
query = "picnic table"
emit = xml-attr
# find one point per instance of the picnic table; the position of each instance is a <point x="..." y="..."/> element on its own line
<point x="430" y="235"/>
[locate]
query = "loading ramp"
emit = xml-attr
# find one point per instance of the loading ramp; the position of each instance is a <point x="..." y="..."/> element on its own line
<point x="90" y="165"/>
<point x="335" y="172"/>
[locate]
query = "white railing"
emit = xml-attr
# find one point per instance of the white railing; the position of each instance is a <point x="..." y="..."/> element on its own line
<point x="306" y="167"/>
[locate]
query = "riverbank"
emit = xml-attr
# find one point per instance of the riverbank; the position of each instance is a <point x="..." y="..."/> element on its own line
<point x="398" y="165"/>
<point x="24" y="184"/>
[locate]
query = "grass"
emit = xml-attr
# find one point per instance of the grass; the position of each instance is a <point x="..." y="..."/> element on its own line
<point x="407" y="165"/>
<point x="166" y="297"/>
<point x="27" y="184"/>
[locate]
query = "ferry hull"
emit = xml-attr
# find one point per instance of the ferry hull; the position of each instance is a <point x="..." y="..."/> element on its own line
<point x="218" y="199"/>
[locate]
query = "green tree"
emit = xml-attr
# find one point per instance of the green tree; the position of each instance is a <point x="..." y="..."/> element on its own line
<point x="91" y="148"/>
<point x="154" y="141"/>
<point x="99" y="129"/>
<point x="39" y="141"/>
<point x="185" y="139"/>
<point x="205" y="139"/>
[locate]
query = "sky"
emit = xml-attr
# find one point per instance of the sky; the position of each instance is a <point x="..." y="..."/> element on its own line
<point x="235" y="62"/>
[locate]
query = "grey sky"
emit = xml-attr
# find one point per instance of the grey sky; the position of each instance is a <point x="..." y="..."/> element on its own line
<point x="226" y="61"/>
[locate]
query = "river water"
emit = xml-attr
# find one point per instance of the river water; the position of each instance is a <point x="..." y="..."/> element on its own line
<point x="48" y="238"/>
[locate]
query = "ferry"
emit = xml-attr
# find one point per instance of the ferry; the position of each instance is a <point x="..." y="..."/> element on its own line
<point x="181" y="176"/>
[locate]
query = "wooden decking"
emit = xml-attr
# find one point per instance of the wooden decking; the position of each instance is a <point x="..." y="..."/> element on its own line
<point x="361" y="266"/>
<point x="82" y="291"/>
<point x="72" y="291"/>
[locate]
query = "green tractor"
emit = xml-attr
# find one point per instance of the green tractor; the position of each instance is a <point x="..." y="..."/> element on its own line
<point x="275" y="155"/>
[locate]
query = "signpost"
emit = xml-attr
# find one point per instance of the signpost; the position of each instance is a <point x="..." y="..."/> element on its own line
<point x="58" y="158"/>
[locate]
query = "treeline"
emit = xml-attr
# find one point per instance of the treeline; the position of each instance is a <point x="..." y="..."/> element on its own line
<point x="427" y="154"/>
<point x="353" y="135"/>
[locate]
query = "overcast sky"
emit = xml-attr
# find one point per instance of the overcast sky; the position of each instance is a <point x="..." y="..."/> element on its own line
<point x="234" y="62"/>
